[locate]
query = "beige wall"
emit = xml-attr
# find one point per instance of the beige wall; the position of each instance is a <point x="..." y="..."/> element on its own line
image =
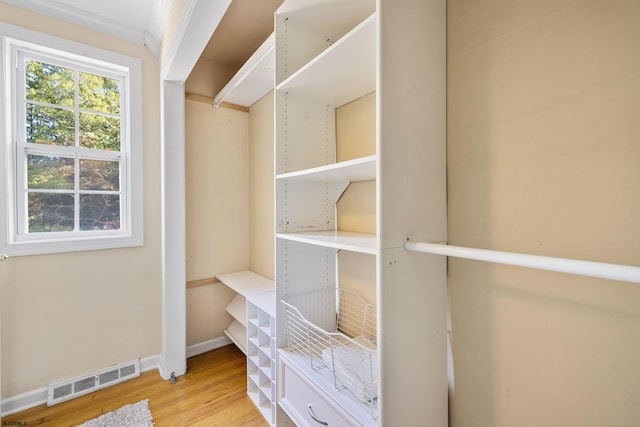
<point x="206" y="315"/>
<point x="217" y="202"/>
<point x="356" y="129"/>
<point x="67" y="314"/>
<point x="543" y="158"/>
<point x="261" y="173"/>
<point x="355" y="138"/>
<point x="217" y="192"/>
<point x="356" y="208"/>
<point x="229" y="203"/>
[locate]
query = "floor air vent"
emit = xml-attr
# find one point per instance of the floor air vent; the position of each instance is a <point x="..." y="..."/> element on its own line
<point x="65" y="390"/>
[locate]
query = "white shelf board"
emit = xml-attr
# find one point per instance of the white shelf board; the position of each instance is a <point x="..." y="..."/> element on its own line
<point x="347" y="240"/>
<point x="238" y="334"/>
<point x="253" y="80"/>
<point x="343" y="72"/>
<point x="237" y="308"/>
<point x="265" y="301"/>
<point x="247" y="282"/>
<point x="362" y="169"/>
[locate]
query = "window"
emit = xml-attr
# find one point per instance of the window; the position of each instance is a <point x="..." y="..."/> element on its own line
<point x="72" y="146"/>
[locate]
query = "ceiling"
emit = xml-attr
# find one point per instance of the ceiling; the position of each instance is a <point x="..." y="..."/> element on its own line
<point x="242" y="30"/>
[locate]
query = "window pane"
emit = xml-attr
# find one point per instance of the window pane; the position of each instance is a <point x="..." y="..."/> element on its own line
<point x="50" y="172"/>
<point x="50" y="126"/>
<point x="99" y="212"/>
<point x="99" y="132"/>
<point x="99" y="175"/>
<point x="49" y="83"/>
<point x="99" y="93"/>
<point x="50" y="212"/>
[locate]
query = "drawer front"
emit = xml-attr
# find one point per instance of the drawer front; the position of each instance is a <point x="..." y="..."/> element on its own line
<point x="306" y="404"/>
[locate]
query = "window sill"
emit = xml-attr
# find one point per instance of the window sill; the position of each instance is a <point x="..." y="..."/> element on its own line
<point x="41" y="247"/>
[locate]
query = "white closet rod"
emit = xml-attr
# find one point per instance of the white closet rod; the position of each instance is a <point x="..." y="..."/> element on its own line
<point x="625" y="273"/>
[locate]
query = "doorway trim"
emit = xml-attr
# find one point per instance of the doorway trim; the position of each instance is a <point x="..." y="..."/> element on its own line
<point x="198" y="21"/>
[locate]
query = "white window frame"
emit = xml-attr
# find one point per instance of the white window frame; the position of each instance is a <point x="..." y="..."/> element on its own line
<point x="17" y="43"/>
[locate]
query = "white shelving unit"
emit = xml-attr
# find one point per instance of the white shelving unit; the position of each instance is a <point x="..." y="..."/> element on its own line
<point x="253" y="80"/>
<point x="253" y="331"/>
<point x="330" y="53"/>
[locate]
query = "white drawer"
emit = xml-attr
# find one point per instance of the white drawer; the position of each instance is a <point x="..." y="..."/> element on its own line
<point x="305" y="403"/>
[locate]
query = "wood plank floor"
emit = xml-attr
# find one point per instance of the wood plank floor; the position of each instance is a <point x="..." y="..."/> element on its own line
<point x="213" y="392"/>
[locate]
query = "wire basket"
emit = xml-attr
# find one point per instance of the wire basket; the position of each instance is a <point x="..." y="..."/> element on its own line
<point x="335" y="331"/>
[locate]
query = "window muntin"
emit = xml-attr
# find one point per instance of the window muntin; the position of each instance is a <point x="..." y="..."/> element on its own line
<point x="74" y="187"/>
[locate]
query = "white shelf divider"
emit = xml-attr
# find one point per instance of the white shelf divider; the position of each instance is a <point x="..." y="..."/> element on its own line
<point x="237" y="308"/>
<point x="238" y="334"/>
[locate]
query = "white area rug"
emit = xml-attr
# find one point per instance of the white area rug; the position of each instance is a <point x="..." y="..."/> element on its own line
<point x="133" y="415"/>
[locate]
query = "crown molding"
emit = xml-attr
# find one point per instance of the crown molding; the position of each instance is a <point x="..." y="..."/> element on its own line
<point x="158" y="19"/>
<point x="149" y="37"/>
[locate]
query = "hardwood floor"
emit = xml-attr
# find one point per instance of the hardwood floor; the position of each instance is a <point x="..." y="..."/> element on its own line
<point x="213" y="392"/>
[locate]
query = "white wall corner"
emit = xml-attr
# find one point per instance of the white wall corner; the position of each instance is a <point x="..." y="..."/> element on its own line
<point x="197" y="24"/>
<point x="174" y="313"/>
<point x="152" y="44"/>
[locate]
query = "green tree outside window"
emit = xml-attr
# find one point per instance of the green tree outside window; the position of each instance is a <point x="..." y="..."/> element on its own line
<point x="70" y="108"/>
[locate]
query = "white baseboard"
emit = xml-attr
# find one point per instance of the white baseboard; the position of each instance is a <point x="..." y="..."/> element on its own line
<point x="30" y="399"/>
<point x="203" y="347"/>
<point x="38" y="397"/>
<point x="24" y="401"/>
<point x="150" y="363"/>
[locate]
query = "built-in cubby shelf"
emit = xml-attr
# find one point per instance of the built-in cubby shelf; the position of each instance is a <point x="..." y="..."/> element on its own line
<point x="253" y="331"/>
<point x="261" y="352"/>
<point x="244" y="283"/>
